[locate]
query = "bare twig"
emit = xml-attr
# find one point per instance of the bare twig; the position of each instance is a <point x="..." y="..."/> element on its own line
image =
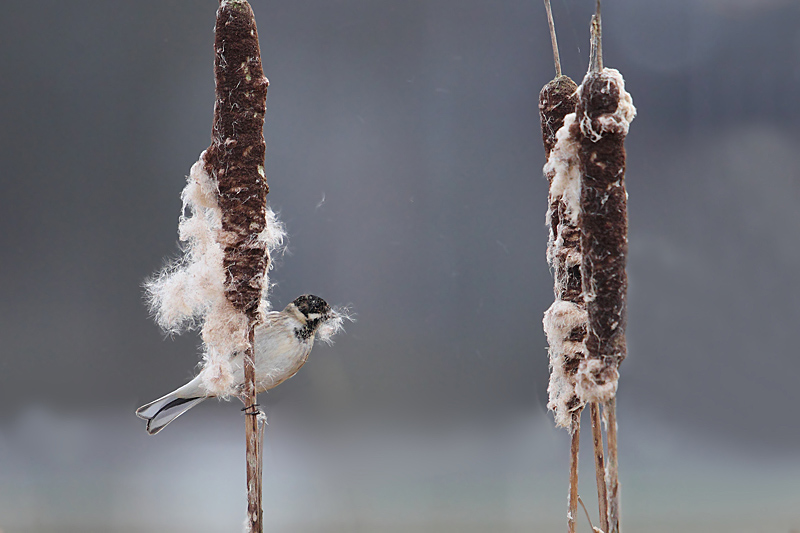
<point x="553" y="40"/>
<point x="599" y="464"/>
<point x="588" y="518"/>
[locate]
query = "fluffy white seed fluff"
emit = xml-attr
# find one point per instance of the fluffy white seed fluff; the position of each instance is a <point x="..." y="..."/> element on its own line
<point x="587" y="386"/>
<point x="559" y="320"/>
<point x="565" y="167"/>
<point x="333" y="325"/>
<point x="620" y="120"/>
<point x="190" y="293"/>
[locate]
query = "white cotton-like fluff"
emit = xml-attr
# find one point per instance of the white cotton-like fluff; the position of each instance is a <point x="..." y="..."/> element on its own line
<point x="334" y="324"/>
<point x="217" y="372"/>
<point x="620" y="120"/>
<point x="586" y="383"/>
<point x="559" y="321"/>
<point x="273" y="236"/>
<point x="565" y="167"/>
<point x="190" y="293"/>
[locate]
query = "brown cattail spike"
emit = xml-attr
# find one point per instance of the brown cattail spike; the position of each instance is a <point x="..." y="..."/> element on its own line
<point x="603" y="114"/>
<point x="557" y="99"/>
<point x="236" y="155"/>
<point x="565" y="321"/>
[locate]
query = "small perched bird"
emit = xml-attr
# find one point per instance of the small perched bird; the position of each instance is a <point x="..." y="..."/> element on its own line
<point x="282" y="344"/>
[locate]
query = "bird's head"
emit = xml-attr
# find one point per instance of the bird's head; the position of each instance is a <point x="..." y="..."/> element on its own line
<point x="312" y="311"/>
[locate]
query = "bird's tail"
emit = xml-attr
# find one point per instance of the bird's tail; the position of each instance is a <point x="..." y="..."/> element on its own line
<point x="161" y="412"/>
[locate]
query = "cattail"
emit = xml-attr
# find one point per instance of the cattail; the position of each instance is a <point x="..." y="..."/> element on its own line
<point x="221" y="283"/>
<point x="604" y="113"/>
<point x="603" y="116"/>
<point x="226" y="228"/>
<point x="565" y="321"/>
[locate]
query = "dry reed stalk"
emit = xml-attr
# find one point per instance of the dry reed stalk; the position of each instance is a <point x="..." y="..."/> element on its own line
<point x="612" y="469"/>
<point x="565" y="321"/>
<point x="235" y="160"/>
<point x="574" y="448"/>
<point x="599" y="465"/>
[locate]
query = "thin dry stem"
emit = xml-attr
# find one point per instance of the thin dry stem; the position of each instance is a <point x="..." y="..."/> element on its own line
<point x="262" y="426"/>
<point x="586" y="512"/>
<point x="596" y="50"/>
<point x="575" y="442"/>
<point x="254" y="455"/>
<point x="599" y="465"/>
<point x="553" y="40"/>
<point x="612" y="469"/>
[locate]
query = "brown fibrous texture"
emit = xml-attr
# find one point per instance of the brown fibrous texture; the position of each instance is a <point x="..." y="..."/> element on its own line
<point x="236" y="155"/>
<point x="565" y="320"/>
<point x="602" y="126"/>
<point x="557" y="99"/>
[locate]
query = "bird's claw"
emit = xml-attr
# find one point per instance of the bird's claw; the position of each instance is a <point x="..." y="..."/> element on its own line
<point x="257" y="411"/>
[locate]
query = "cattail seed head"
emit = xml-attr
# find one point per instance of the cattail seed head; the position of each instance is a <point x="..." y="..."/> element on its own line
<point x="226" y="229"/>
<point x="604" y="113"/>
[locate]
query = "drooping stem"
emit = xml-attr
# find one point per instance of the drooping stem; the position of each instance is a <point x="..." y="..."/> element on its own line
<point x="574" y="448"/>
<point x="586" y="512"/>
<point x="599" y="466"/>
<point x="553" y="40"/>
<point x="612" y="470"/>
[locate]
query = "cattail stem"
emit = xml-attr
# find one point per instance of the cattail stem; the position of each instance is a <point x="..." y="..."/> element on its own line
<point x="262" y="428"/>
<point x="553" y="40"/>
<point x="254" y="457"/>
<point x="236" y="160"/>
<point x="596" y="48"/>
<point x="599" y="465"/>
<point x="574" y="448"/>
<point x="612" y="470"/>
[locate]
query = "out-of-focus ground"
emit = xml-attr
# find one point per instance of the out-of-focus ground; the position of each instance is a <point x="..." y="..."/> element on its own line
<point x="103" y="473"/>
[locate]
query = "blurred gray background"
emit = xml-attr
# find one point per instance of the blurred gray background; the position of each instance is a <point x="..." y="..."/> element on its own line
<point x="404" y="156"/>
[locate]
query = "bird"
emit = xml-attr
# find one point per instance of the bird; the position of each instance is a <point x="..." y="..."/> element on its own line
<point x="282" y="343"/>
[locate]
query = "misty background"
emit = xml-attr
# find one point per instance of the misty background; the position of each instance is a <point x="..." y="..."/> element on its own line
<point x="404" y="156"/>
